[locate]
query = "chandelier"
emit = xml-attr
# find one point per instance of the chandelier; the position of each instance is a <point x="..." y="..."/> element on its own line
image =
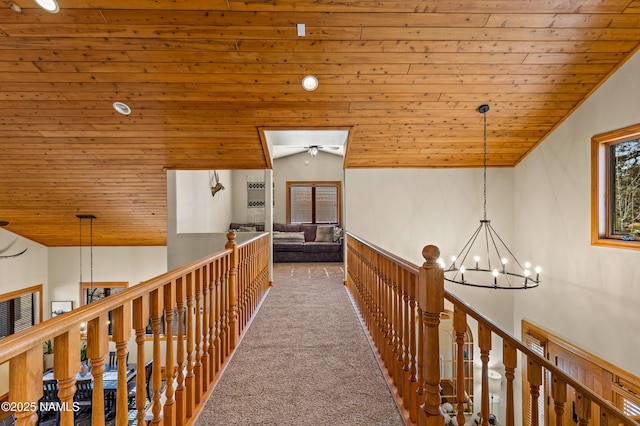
<point x="485" y="260"/>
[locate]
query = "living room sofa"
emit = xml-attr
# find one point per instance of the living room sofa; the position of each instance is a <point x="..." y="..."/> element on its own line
<point x="296" y="242"/>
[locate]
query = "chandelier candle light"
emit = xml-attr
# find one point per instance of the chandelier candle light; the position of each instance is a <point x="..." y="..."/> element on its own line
<point x="493" y="264"/>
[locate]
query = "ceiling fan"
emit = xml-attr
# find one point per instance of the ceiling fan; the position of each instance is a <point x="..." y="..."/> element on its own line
<point x="312" y="150"/>
<point x="2" y="250"/>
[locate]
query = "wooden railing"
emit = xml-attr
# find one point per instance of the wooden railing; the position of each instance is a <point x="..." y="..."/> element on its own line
<point x="400" y="305"/>
<point x="213" y="299"/>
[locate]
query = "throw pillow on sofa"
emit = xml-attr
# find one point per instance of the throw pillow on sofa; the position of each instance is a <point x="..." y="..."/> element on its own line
<point x="324" y="234"/>
<point x="337" y="234"/>
<point x="288" y="237"/>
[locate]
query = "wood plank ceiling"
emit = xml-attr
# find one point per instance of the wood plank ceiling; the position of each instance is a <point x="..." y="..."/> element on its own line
<point x="204" y="76"/>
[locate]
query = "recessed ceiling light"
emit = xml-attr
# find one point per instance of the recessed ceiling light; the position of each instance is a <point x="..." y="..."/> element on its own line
<point x="14" y="6"/>
<point x="49" y="5"/>
<point x="122" y="108"/>
<point x="309" y="83"/>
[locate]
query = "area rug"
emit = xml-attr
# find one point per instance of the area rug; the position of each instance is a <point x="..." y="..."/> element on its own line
<point x="304" y="361"/>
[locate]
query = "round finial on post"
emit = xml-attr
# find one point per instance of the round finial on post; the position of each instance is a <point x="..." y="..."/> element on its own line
<point x="231" y="239"/>
<point x="431" y="253"/>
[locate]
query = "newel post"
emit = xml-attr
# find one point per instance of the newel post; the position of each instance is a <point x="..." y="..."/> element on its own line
<point x="431" y="302"/>
<point x="233" y="290"/>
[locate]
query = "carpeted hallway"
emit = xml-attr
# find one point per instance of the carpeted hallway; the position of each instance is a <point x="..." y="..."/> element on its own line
<point x="305" y="360"/>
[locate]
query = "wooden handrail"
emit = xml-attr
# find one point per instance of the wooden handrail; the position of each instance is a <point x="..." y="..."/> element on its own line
<point x="204" y="290"/>
<point x="373" y="279"/>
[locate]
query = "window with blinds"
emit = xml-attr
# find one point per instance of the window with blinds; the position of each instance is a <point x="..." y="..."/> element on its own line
<point x="313" y="202"/>
<point x="19" y="311"/>
<point x="627" y="396"/>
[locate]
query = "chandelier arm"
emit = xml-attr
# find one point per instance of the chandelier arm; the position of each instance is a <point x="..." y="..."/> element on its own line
<point x="507" y="248"/>
<point x="467" y="247"/>
<point x="487" y="234"/>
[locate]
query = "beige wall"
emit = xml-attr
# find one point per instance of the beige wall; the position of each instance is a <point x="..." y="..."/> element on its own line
<point x="590" y="294"/>
<point x="302" y="167"/>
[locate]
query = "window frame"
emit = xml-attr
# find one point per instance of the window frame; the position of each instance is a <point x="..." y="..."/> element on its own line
<point x="101" y="284"/>
<point x="86" y="285"/>
<point x="36" y="304"/>
<point x="601" y="188"/>
<point x="313" y="184"/>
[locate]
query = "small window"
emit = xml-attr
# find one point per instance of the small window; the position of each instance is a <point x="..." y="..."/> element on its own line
<point x="313" y="202"/>
<point x="20" y="310"/>
<point x="94" y="291"/>
<point x="616" y="188"/>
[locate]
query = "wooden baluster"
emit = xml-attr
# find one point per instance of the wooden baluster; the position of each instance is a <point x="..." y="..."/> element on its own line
<point x="169" y="297"/>
<point x="25" y="382"/>
<point x="397" y="329"/>
<point x="583" y="409"/>
<point x="204" y="359"/>
<point x="140" y="322"/>
<point x="121" y="328"/>
<point x="431" y="301"/>
<point x="420" y="391"/>
<point x="250" y="284"/>
<point x="510" y="361"/>
<point x="606" y="418"/>
<point x="97" y="348"/>
<point x="180" y="396"/>
<point x="66" y="361"/>
<point x="155" y="312"/>
<point x="389" y="308"/>
<point x="197" y="368"/>
<point x="255" y="283"/>
<point x="559" y="395"/>
<point x="190" y="379"/>
<point x="484" y="342"/>
<point x="413" y="360"/>
<point x="218" y="314"/>
<point x="243" y="290"/>
<point x="406" y="338"/>
<point x="212" y="321"/>
<point x="233" y="291"/>
<point x="389" y="311"/>
<point x="386" y="321"/>
<point x="534" y="376"/>
<point x="375" y="286"/>
<point x="372" y="286"/>
<point x="223" y="310"/>
<point x="460" y="327"/>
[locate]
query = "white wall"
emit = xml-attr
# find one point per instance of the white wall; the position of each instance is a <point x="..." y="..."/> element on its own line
<point x="131" y="264"/>
<point x="302" y="167"/>
<point x="402" y="210"/>
<point x="196" y="210"/>
<point x="19" y="272"/>
<point x="589" y="294"/>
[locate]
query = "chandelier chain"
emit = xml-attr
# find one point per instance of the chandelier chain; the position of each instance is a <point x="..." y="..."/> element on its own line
<point x="484" y="115"/>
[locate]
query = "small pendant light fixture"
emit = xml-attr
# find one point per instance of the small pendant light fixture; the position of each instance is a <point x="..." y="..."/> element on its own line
<point x="89" y="217"/>
<point x="485" y="260"/>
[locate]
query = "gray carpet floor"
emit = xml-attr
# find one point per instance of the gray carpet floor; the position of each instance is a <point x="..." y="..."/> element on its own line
<point x="305" y="360"/>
